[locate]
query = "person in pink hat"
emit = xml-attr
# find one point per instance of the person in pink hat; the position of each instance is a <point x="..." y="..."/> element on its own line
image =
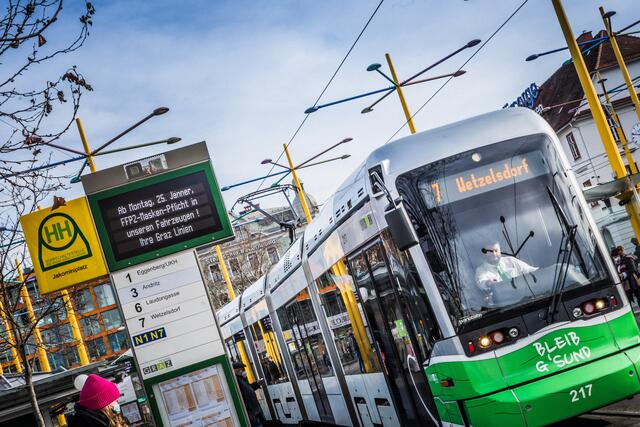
<point x="98" y="405"/>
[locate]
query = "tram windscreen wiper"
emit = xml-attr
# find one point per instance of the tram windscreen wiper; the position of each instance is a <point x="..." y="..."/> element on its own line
<point x="563" y="258"/>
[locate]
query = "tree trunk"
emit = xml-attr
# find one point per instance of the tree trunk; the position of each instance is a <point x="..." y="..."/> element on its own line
<point x="28" y="378"/>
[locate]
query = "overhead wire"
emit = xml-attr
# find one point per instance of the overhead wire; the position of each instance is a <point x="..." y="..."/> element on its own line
<point x="353" y="45"/>
<point x="461" y="67"/>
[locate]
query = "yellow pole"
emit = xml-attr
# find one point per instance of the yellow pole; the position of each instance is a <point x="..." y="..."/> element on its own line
<point x="621" y="64"/>
<point x="75" y="329"/>
<point x="40" y="351"/>
<point x="596" y="108"/>
<point x="296" y="181"/>
<point x="619" y="131"/>
<point x="403" y="102"/>
<point x="268" y="345"/>
<point x="350" y="304"/>
<point x="14" y="352"/>
<point x="232" y="295"/>
<point x="359" y="333"/>
<point x="272" y="337"/>
<point x="245" y="360"/>
<point x="85" y="145"/>
<point x="225" y="273"/>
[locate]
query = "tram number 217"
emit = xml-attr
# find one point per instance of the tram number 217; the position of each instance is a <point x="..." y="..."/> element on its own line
<point x="580" y="393"/>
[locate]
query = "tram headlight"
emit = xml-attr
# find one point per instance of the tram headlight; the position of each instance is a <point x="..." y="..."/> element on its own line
<point x="484" y="342"/>
<point x="514" y="332"/>
<point x="592" y="306"/>
<point x="577" y="312"/>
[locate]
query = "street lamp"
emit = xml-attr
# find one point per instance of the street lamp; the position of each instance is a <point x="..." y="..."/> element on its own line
<point x="397" y="85"/>
<point x="284" y="172"/>
<point x="593" y="42"/>
<point x="157" y="112"/>
<point x="294" y="175"/>
<point x="306" y="162"/>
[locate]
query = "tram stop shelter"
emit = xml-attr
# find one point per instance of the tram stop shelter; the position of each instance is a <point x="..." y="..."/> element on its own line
<point x="54" y="391"/>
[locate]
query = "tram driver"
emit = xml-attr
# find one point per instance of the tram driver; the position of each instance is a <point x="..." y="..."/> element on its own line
<point x="498" y="268"/>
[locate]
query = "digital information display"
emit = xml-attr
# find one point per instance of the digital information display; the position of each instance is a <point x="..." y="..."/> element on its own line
<point x="159" y="215"/>
<point x="485" y="178"/>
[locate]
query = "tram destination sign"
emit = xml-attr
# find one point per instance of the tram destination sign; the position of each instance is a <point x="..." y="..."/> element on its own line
<point x="157" y="215"/>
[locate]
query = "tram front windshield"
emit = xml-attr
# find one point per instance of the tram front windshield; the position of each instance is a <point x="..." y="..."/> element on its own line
<point x="496" y="225"/>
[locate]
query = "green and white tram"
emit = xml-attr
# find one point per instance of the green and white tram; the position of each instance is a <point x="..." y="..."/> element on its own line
<point x="455" y="279"/>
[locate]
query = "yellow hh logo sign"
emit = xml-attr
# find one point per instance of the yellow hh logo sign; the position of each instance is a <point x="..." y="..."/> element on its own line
<point x="63" y="246"/>
<point x="60" y="242"/>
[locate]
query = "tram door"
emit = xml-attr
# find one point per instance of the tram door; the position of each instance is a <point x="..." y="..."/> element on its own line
<point x="308" y="351"/>
<point x="236" y="346"/>
<point x="401" y="326"/>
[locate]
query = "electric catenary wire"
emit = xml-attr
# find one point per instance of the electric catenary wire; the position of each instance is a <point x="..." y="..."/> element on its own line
<point x="461" y="67"/>
<point x="306" y="116"/>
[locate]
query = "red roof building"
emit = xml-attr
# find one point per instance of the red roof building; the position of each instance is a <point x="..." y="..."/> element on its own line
<point x="561" y="101"/>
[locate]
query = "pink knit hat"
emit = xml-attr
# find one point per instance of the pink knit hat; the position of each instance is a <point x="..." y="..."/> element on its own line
<point x="98" y="393"/>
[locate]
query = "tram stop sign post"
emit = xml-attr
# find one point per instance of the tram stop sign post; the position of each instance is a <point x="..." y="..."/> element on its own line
<point x="150" y="216"/>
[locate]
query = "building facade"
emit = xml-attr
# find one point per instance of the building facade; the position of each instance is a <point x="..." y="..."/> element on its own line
<point x="98" y="318"/>
<point x="259" y="242"/>
<point x="561" y="101"/>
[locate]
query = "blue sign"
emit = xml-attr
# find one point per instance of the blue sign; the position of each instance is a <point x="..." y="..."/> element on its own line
<point x="527" y="99"/>
<point x="149" y="336"/>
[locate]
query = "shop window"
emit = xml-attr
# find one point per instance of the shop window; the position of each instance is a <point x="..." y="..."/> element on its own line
<point x="111" y="319"/>
<point x="84" y="302"/>
<point x="71" y="356"/>
<point x="57" y="360"/>
<point x="117" y="341"/>
<point x="6" y="357"/>
<point x="90" y="325"/>
<point x="104" y="295"/>
<point x="96" y="348"/>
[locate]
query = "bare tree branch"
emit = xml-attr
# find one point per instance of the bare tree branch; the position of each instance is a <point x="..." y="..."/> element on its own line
<point x="32" y="115"/>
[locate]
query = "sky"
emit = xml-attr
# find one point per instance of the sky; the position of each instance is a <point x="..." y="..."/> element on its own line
<point x="239" y="74"/>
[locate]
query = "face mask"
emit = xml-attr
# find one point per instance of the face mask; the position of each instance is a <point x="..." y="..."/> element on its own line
<point x="244" y="374"/>
<point x="116" y="408"/>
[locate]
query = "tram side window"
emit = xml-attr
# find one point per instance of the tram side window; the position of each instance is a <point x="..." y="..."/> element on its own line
<point x="268" y="353"/>
<point x="413" y="298"/>
<point x="232" y="349"/>
<point x="350" y="334"/>
<point x="304" y="339"/>
<point x="291" y="344"/>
